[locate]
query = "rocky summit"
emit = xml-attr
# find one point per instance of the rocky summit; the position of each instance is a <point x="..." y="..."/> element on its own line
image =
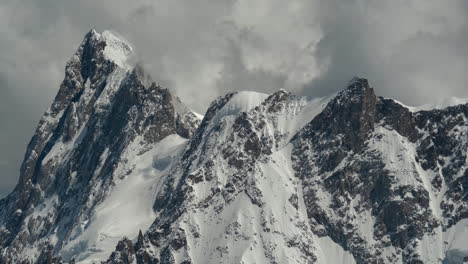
<point x="119" y="170"/>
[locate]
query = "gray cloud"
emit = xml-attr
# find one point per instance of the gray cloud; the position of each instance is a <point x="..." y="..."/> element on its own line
<point x="412" y="50"/>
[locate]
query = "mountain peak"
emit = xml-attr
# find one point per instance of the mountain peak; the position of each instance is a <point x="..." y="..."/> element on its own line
<point x="350" y="114"/>
<point x="111" y="38"/>
<point x="359" y="86"/>
<point x="117" y="49"/>
<point x="107" y="125"/>
<point x="357" y="80"/>
<point x="98" y="49"/>
<point x="92" y="34"/>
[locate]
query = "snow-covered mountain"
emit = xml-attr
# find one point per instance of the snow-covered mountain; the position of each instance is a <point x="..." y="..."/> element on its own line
<point x="93" y="167"/>
<point x="120" y="171"/>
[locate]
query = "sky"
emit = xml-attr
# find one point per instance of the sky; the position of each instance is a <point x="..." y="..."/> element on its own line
<point x="412" y="50"/>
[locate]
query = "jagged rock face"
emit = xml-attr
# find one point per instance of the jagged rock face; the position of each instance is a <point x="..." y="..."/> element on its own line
<point x="120" y="164"/>
<point x="349" y="115"/>
<point x="336" y="163"/>
<point x="75" y="157"/>
<point x="440" y="139"/>
<point x="217" y="206"/>
<point x="236" y="165"/>
<point x="359" y="178"/>
<point x="385" y="171"/>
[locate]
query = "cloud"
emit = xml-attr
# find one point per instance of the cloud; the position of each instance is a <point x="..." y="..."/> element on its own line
<point x="412" y="50"/>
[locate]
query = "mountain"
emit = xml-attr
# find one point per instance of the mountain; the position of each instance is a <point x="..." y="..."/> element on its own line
<point x="120" y="171"/>
<point x="354" y="178"/>
<point x="92" y="168"/>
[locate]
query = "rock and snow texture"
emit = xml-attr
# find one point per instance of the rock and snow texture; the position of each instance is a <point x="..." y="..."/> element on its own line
<point x="384" y="182"/>
<point x="354" y="178"/>
<point x="120" y="171"/>
<point x="94" y="165"/>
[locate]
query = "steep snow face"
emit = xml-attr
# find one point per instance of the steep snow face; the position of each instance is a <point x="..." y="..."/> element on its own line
<point x="128" y="208"/>
<point x="96" y="143"/>
<point x="217" y="207"/>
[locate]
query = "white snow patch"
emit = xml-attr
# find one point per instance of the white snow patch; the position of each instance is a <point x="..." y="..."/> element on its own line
<point x="117" y="49"/>
<point x="330" y="252"/>
<point x="199" y="116"/>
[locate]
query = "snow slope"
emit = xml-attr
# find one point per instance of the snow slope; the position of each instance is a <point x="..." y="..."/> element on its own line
<point x="128" y="208"/>
<point x="238" y="210"/>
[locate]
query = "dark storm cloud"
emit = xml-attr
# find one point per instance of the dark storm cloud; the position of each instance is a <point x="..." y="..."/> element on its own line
<point x="412" y="50"/>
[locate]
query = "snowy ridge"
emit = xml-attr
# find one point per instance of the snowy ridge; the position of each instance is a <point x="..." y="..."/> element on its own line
<point x="227" y="215"/>
<point x="241" y="102"/>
